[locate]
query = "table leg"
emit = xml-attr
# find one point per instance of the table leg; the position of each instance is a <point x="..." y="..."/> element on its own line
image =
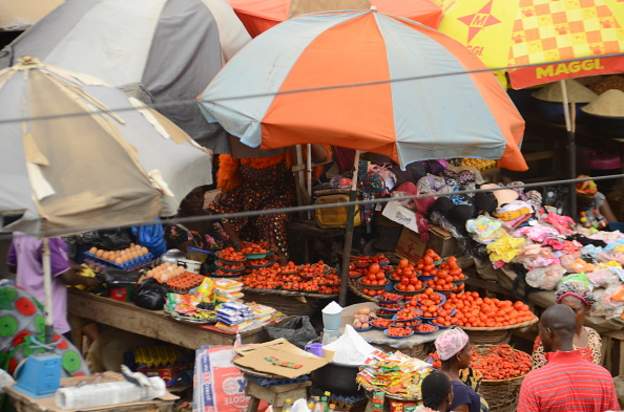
<point x="253" y="404"/>
<point x="76" y="323"/>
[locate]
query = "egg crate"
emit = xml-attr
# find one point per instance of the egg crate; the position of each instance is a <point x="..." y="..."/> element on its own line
<point x="139" y="263"/>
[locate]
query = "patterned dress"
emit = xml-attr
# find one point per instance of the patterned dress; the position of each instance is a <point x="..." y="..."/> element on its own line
<point x="264" y="188"/>
<point x="592" y="353"/>
<point x="22" y="326"/>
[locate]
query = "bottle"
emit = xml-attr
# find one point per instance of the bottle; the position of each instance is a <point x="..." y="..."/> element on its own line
<point x="325" y="401"/>
<point x="317" y="404"/>
<point x="287" y="405"/>
<point x="238" y="342"/>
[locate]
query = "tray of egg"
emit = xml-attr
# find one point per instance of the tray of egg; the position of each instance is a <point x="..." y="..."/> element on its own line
<point x="130" y="258"/>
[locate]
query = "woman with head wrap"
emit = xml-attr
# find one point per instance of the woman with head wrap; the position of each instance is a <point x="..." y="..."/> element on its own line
<point x="455" y="352"/>
<point x="575" y="292"/>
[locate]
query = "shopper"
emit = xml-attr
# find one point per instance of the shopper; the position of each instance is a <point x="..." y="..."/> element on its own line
<point x="455" y="352"/>
<point x="568" y="382"/>
<point x="437" y="393"/>
<point x="577" y="295"/>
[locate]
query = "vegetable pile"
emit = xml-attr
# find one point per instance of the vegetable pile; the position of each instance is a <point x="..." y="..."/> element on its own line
<point x="314" y="278"/>
<point x="501" y="362"/>
<point x="473" y="311"/>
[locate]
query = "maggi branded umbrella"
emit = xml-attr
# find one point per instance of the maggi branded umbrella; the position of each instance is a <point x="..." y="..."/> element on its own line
<point x="260" y="15"/>
<point x="504" y="33"/>
<point x="518" y="32"/>
<point x="467" y="115"/>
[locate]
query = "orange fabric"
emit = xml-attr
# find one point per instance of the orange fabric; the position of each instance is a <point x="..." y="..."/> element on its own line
<point x="507" y="117"/>
<point x="227" y="175"/>
<point x="260" y="15"/>
<point x="347" y="113"/>
<point x="229" y="179"/>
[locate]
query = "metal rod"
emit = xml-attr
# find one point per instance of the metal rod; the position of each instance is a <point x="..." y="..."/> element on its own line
<point x="571" y="149"/>
<point x="47" y="287"/>
<point x="348" y="243"/>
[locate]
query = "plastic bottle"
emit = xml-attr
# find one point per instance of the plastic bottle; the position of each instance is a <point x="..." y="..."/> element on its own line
<point x="317" y="404"/>
<point x="238" y="341"/>
<point x="325" y="401"/>
<point x="287" y="405"/>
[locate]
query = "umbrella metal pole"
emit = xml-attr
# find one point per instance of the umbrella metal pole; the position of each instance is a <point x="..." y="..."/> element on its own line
<point x="348" y="243"/>
<point x="309" y="175"/>
<point x="47" y="287"/>
<point x="571" y="143"/>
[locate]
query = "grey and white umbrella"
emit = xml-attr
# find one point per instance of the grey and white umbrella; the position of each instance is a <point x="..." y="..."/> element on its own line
<point x="157" y="50"/>
<point x="95" y="168"/>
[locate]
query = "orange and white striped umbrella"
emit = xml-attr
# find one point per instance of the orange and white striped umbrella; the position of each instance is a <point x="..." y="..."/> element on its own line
<point x="467" y="115"/>
<point x="260" y="15"/>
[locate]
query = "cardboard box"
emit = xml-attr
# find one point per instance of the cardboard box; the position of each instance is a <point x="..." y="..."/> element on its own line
<point x="255" y="357"/>
<point x="411" y="247"/>
<point x="443" y="242"/>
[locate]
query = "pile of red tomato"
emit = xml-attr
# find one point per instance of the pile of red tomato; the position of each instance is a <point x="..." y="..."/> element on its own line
<point x="470" y="310"/>
<point x="314" y="278"/>
<point x="501" y="362"/>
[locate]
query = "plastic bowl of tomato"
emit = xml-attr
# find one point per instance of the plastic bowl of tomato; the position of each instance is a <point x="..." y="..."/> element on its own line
<point x="425" y="329"/>
<point x="398" y="332"/>
<point x="380" y="323"/>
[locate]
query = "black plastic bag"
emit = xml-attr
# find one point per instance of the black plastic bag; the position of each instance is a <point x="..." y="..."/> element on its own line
<point x="115" y="278"/>
<point x="298" y="330"/>
<point x="150" y="295"/>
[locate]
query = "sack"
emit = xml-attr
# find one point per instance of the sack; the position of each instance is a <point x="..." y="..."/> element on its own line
<point x="219" y="386"/>
<point x="150" y="295"/>
<point x="298" y="330"/>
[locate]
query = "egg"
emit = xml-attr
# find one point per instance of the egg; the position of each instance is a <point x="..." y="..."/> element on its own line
<point x="99" y="254"/>
<point x="93" y="250"/>
<point x="118" y="261"/>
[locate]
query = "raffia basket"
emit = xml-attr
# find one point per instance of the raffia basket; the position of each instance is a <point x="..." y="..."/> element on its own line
<point x="501" y="395"/>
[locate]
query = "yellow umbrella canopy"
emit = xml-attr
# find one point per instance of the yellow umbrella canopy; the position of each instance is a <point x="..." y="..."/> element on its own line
<point x="519" y="32"/>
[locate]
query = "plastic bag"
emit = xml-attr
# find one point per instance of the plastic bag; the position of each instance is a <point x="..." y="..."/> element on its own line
<point x="152" y="237"/>
<point x="150" y="295"/>
<point x="298" y="330"/>
<point x="545" y="278"/>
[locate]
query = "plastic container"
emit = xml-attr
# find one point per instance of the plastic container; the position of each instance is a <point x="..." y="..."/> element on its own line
<point x="336" y="217"/>
<point x="332" y="315"/>
<point x="91" y="396"/>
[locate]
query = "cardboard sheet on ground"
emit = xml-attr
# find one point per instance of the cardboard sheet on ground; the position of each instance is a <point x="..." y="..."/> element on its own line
<point x="255" y="357"/>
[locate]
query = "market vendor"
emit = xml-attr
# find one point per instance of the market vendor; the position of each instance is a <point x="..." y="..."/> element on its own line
<point x="455" y="351"/>
<point x="258" y="183"/>
<point x="575" y="294"/>
<point x="594" y="209"/>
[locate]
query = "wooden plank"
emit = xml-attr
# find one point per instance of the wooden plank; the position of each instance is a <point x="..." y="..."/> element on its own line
<point x="153" y="324"/>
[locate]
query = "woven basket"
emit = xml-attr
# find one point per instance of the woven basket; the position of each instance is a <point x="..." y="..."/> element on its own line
<point x="494" y="336"/>
<point x="501" y="395"/>
<point x="417" y="351"/>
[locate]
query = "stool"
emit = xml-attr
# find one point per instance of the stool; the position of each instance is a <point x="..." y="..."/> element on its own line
<point x="612" y="339"/>
<point x="275" y="395"/>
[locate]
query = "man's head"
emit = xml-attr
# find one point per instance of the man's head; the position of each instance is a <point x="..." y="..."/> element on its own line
<point x="557" y="327"/>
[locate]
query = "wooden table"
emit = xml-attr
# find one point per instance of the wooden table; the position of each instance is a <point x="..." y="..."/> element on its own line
<point x="85" y="307"/>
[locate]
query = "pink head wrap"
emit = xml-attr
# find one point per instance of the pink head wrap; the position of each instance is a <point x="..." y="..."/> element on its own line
<point x="450" y="343"/>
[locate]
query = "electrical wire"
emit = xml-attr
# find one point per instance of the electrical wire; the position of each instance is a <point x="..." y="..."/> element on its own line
<point x="305" y="208"/>
<point x="181" y="103"/>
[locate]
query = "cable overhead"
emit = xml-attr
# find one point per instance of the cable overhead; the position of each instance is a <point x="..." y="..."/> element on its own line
<point x="177" y="103"/>
<point x="305" y="208"/>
